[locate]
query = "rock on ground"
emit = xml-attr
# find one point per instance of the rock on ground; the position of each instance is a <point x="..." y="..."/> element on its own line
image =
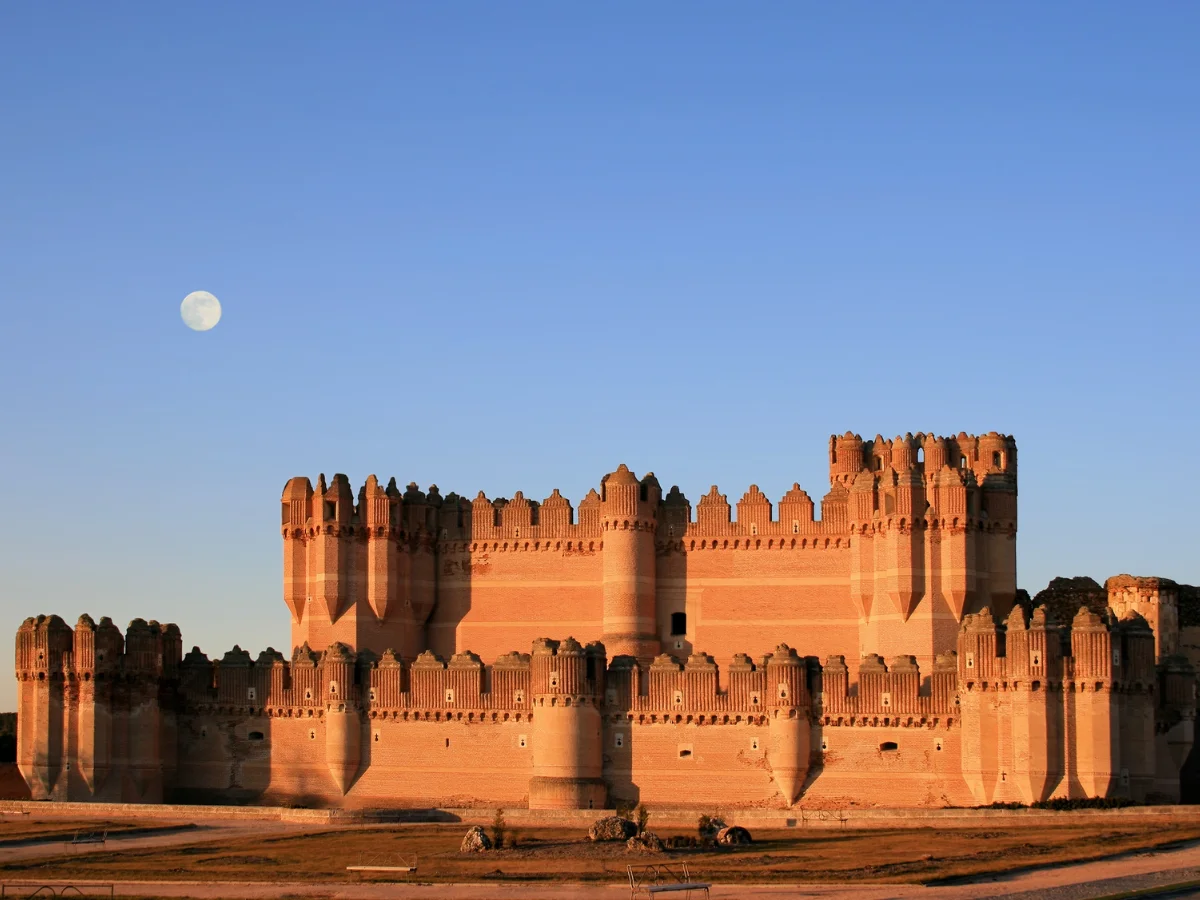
<point x="611" y="828"/>
<point x="733" y="835"/>
<point x="475" y="841"/>
<point x="646" y="842"/>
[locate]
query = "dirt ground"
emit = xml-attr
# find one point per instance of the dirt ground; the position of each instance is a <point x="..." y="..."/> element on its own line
<point x="548" y="856"/>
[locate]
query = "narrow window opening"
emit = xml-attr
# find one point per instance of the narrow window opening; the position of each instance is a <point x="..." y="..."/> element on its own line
<point x="312" y="735"/>
<point x="885" y="699"/>
<point x="519" y="697"/>
<point x="522" y="740"/>
<point x="938" y="745"/>
<point x="970" y="660"/>
<point x="962" y="462"/>
<point x="753" y="528"/>
<point x="678" y="623"/>
<point x="330" y="510"/>
<point x="371" y="695"/>
<point x="879" y="464"/>
<point x="796" y="527"/>
<point x="997" y="461"/>
<point x="449" y="695"/>
<point x="287" y="513"/>
<point x="618" y="740"/>
<point x="447" y="742"/>
<point x="888" y="746"/>
<point x="685" y="752"/>
<point x="377" y="737"/>
<point x="250" y="693"/>
<point x="678" y="698"/>
<point x="921" y="455"/>
<point x="553" y="679"/>
<point x="308" y="695"/>
<point x="754" y="699"/>
<point x="754" y="744"/>
<point x="255" y="735"/>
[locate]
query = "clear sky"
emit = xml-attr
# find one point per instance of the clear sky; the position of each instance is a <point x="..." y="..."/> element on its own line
<point x="505" y="246"/>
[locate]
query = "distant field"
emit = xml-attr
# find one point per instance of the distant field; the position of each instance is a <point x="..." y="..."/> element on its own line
<point x="543" y="854"/>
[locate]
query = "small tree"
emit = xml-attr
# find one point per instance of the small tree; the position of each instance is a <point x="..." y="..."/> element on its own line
<point x="498" y="830"/>
<point x="643" y="818"/>
<point x="623" y="808"/>
<point x="704" y="826"/>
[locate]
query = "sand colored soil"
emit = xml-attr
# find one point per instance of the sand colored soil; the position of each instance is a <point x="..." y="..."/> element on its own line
<point x="559" y="855"/>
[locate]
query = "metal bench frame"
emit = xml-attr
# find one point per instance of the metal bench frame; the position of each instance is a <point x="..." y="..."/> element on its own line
<point x="657" y="879"/>
<point x="90" y="837"/>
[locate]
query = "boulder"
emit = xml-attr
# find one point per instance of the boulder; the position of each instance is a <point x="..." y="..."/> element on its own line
<point x="611" y="828"/>
<point x="646" y="842"/>
<point x="733" y="836"/>
<point x="475" y="841"/>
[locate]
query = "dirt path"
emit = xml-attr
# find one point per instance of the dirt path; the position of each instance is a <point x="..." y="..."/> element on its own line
<point x="209" y="831"/>
<point x="1072" y="882"/>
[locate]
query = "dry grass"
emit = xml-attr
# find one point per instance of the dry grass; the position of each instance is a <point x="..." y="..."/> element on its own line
<point x="900" y="855"/>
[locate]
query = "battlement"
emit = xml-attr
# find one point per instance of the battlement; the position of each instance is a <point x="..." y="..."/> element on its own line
<point x="1092" y="652"/>
<point x="624" y="501"/>
<point x="990" y="455"/>
<point x="49" y="648"/>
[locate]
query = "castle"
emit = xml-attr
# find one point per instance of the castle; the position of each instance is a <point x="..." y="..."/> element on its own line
<point x="699" y="658"/>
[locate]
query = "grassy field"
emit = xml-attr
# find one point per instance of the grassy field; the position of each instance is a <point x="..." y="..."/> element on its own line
<point x="901" y="855"/>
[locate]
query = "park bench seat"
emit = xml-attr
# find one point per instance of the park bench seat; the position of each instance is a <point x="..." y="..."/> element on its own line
<point x="649" y="881"/>
<point x="90" y="837"/>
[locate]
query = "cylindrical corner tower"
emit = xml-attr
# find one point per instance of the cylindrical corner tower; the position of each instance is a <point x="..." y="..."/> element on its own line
<point x="627" y="521"/>
<point x="567" y="747"/>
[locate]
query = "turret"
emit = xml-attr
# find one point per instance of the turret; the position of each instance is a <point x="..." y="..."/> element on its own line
<point x="1093" y="703"/>
<point x="790" y="729"/>
<point x="342" y="724"/>
<point x="567" y="682"/>
<point x="628" y="510"/>
<point x="329" y="551"/>
<point x="297" y="502"/>
<point x="845" y="457"/>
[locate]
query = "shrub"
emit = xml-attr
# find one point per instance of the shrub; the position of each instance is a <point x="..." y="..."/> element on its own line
<point x="498" y="830"/>
<point x="643" y="818"/>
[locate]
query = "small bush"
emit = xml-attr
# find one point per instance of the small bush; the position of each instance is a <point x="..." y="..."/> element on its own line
<point x="624" y="809"/>
<point x="498" y="830"/>
<point x="643" y="818"/>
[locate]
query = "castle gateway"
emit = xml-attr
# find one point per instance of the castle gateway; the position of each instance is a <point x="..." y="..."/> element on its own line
<point x="451" y="652"/>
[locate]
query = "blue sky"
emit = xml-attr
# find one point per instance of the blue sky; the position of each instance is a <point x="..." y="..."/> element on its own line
<point x="507" y="246"/>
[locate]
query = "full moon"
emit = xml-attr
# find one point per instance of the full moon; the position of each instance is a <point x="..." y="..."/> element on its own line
<point x="200" y="310"/>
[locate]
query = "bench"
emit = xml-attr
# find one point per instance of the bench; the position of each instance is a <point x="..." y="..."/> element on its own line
<point x="650" y="881"/>
<point x="90" y="837"/>
<point x="379" y="866"/>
